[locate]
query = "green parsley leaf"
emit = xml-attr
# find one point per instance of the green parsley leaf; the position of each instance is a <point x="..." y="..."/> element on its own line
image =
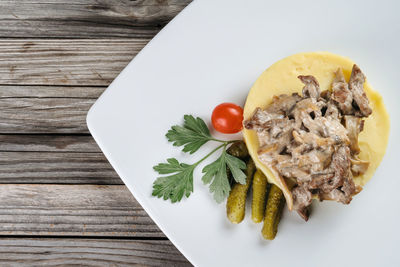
<point x="216" y="174"/>
<point x="178" y="181"/>
<point x="175" y="186"/>
<point x="236" y="166"/>
<point x="192" y="135"/>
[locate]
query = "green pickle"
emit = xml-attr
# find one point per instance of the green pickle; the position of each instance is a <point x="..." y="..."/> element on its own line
<point x="239" y="150"/>
<point x="236" y="203"/>
<point x="260" y="189"/>
<point x="273" y="212"/>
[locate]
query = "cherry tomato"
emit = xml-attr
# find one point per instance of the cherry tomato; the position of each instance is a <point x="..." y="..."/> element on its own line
<point x="227" y="118"/>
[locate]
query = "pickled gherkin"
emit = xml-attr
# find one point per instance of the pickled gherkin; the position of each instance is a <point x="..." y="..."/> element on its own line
<point x="238" y="149"/>
<point x="273" y="212"/>
<point x="236" y="203"/>
<point x="260" y="189"/>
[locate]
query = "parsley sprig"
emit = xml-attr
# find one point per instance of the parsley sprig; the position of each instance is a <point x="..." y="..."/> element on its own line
<point x="178" y="177"/>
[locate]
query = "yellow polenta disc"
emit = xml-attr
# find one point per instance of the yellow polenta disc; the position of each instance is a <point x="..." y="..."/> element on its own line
<point x="281" y="78"/>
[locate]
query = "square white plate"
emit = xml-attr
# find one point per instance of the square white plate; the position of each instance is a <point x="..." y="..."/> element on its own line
<point x="213" y="52"/>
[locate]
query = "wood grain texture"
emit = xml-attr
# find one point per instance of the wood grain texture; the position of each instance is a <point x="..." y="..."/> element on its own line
<point x="56" y="58"/>
<point x="86" y="18"/>
<point x="93" y="62"/>
<point x="56" y="168"/>
<point x="89" y="252"/>
<point x="44" y="115"/>
<point x="73" y="210"/>
<point x="26" y="91"/>
<point x="48" y="143"/>
<point x="46" y="109"/>
<point x="53" y="159"/>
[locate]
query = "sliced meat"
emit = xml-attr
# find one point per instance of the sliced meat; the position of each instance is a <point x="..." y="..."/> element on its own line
<point x="323" y="126"/>
<point x="260" y="119"/>
<point x="311" y="86"/>
<point x="304" y="213"/>
<point x="349" y="190"/>
<point x="321" y="178"/>
<point x="340" y="165"/>
<point x="326" y="95"/>
<point x="356" y="86"/>
<point x="354" y="126"/>
<point x="279" y="127"/>
<point x="332" y="111"/>
<point x="334" y="129"/>
<point x="283" y="103"/>
<point x="335" y="194"/>
<point x="312" y="141"/>
<point x="341" y="93"/>
<point x="302" y="198"/>
<point x="290" y="170"/>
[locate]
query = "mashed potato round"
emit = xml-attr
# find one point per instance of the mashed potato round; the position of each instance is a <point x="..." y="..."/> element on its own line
<point x="281" y="78"/>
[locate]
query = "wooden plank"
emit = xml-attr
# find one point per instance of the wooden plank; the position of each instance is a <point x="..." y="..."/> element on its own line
<point x="44" y="115"/>
<point x="86" y="18"/>
<point x="94" y="62"/>
<point x="46" y="109"/>
<point x="73" y="210"/>
<point x="48" y="143"/>
<point x="19" y="91"/>
<point x="56" y="168"/>
<point x="53" y="159"/>
<point x="88" y="252"/>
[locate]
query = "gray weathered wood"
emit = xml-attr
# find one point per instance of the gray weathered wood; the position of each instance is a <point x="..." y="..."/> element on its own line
<point x="56" y="58"/>
<point x="38" y="91"/>
<point x="72" y="210"/>
<point x="45" y="109"/>
<point x="56" y="168"/>
<point x="53" y="159"/>
<point x="44" y="115"/>
<point x="89" y="252"/>
<point x="65" y="62"/>
<point x="48" y="143"/>
<point x="86" y="18"/>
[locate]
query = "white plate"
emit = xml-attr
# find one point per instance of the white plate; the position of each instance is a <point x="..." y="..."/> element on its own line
<point x="211" y="53"/>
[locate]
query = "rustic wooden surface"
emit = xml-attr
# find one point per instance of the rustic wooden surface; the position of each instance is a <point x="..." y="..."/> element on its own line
<point x="61" y="203"/>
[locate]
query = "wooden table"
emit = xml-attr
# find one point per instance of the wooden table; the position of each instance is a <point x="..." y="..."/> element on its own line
<point x="60" y="200"/>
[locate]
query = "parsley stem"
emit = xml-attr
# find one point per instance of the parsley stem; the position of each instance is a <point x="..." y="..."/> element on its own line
<point x="209" y="154"/>
<point x="222" y="141"/>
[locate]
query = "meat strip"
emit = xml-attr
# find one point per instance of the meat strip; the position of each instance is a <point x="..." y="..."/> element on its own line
<point x="341" y="93"/>
<point x="356" y="86"/>
<point x="311" y="88"/>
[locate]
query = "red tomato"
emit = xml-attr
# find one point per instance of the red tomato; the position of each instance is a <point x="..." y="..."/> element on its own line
<point x="227" y="118"/>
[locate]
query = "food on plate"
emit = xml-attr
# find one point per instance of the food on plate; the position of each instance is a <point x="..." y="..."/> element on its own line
<point x="238" y="149"/>
<point x="227" y="118"/>
<point x="312" y="140"/>
<point x="313" y="129"/>
<point x="267" y="201"/>
<point x="177" y="177"/>
<point x="236" y="203"/>
<point x="260" y="190"/>
<point x="273" y="212"/>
